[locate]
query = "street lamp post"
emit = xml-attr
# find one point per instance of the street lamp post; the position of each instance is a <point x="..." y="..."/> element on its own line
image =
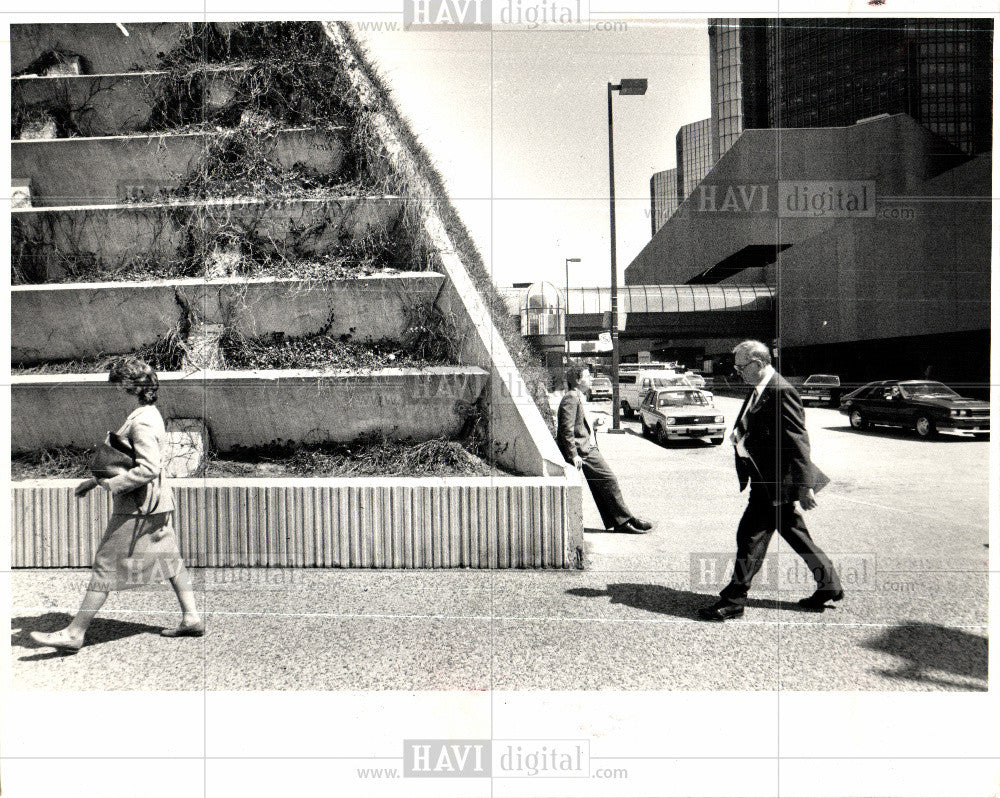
<point x="628" y="86"/>
<point x="566" y="308"/>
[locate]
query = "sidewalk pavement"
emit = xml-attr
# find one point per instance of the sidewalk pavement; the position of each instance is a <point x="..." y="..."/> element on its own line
<point x="626" y="622"/>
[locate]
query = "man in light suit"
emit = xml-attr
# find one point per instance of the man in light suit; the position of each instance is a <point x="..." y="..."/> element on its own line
<point x="578" y="445"/>
<point x="773" y="457"/>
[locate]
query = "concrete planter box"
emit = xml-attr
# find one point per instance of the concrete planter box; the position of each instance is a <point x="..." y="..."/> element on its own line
<point x="115" y="235"/>
<point x="252" y="409"/>
<point x="80" y="320"/>
<point x="452" y="522"/>
<point x="98" y="171"/>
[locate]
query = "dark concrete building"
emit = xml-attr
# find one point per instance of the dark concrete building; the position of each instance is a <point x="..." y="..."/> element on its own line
<point x="663" y="198"/>
<point x="876" y="237"/>
<point x="793" y="73"/>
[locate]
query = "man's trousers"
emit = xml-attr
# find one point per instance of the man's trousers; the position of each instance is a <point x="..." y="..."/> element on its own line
<point x="759" y="521"/>
<point x="604" y="487"/>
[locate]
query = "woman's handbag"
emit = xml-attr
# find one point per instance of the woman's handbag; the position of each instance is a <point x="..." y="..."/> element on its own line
<point x="112" y="457"/>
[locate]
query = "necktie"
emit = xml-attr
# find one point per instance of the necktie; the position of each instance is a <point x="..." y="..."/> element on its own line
<point x="741" y="425"/>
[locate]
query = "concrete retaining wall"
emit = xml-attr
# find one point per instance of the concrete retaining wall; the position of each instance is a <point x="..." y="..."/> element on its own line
<point x="454" y="522"/>
<point x="110" y="169"/>
<point x="253" y="408"/>
<point x="116" y="104"/>
<point x="116" y="235"/>
<point x="81" y="320"/>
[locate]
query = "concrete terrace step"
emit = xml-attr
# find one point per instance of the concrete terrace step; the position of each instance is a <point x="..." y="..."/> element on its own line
<point x="118" y="103"/>
<point x="254" y="408"/>
<point x="85" y="171"/>
<point x="46" y="239"/>
<point x="82" y="320"/>
<point x="104" y="47"/>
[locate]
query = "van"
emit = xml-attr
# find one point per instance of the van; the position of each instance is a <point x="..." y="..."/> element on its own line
<point x="634" y="384"/>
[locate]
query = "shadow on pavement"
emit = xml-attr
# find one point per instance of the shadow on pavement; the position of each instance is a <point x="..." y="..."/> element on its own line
<point x="928" y="647"/>
<point x="102" y="630"/>
<point x="669" y="601"/>
<point x="900" y="434"/>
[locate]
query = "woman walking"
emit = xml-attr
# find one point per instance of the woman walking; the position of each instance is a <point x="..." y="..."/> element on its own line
<point x="139" y="547"/>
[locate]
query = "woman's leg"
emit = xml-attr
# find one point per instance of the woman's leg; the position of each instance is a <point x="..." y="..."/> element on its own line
<point x="92" y="602"/>
<point x="185" y="595"/>
<point x="72" y="636"/>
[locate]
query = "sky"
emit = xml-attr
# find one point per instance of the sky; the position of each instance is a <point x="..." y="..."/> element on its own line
<point x="516" y="122"/>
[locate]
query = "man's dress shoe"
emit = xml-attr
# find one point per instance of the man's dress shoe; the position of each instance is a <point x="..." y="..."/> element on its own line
<point x="629" y="528"/>
<point x="817" y="601"/>
<point x="640" y="523"/>
<point x="721" y="611"/>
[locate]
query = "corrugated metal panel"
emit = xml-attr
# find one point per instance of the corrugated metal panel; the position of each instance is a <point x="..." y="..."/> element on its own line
<point x="445" y="523"/>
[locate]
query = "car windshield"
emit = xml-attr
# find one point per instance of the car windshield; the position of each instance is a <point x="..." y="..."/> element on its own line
<point x="667" y="382"/>
<point x="603" y="382"/>
<point x="823" y="379"/>
<point x="912" y="390"/>
<point x="680" y="398"/>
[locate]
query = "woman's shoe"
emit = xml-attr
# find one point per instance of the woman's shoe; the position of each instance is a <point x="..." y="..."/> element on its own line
<point x="61" y="640"/>
<point x="194" y="630"/>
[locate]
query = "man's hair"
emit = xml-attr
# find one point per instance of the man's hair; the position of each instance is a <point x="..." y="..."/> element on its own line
<point x="753" y="350"/>
<point x="137" y="377"/>
<point x="573" y="372"/>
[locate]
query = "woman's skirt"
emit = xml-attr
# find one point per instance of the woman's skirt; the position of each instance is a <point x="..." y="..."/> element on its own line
<point x="136" y="551"/>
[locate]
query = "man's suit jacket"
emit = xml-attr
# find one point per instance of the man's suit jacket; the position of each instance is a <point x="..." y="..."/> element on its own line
<point x="778" y="444"/>
<point x="140" y="490"/>
<point x="573" y="434"/>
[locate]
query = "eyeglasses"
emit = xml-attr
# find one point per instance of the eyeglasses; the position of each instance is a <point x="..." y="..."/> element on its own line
<point x="741" y="366"/>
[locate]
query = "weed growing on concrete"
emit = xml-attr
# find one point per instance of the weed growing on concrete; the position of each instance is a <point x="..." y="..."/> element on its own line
<point x="66" y="462"/>
<point x="372" y="455"/>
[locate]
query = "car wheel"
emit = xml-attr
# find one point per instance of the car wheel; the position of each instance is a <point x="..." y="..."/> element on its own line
<point x="858" y="420"/>
<point x="716" y="441"/>
<point x="646" y="431"/>
<point x="626" y="409"/>
<point x="661" y="435"/>
<point x="925" y="427"/>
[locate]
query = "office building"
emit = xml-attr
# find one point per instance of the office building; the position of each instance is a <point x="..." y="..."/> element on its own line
<point x="875" y="235"/>
<point x="663" y="199"/>
<point x="794" y="73"/>
<point x="695" y="155"/>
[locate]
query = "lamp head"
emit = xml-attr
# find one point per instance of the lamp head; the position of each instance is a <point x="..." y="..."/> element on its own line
<point x="633" y="86"/>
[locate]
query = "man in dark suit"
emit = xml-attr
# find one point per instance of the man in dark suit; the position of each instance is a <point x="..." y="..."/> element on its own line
<point x="772" y="456"/>
<point x="578" y="445"/>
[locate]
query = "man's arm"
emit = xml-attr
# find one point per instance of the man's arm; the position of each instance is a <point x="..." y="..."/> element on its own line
<point x="567" y="421"/>
<point x="793" y="440"/>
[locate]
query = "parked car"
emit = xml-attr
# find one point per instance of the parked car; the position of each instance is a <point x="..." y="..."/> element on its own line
<point x="600" y="389"/>
<point x="674" y="413"/>
<point x="922" y="405"/>
<point x="821" y="388"/>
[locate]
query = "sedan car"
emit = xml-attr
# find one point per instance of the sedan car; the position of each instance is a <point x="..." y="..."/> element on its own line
<point x="669" y="414"/>
<point x="821" y="388"/>
<point x="600" y="389"/>
<point x="922" y="405"/>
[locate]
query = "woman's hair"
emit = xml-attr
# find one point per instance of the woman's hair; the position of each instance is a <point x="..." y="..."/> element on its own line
<point x="138" y="378"/>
